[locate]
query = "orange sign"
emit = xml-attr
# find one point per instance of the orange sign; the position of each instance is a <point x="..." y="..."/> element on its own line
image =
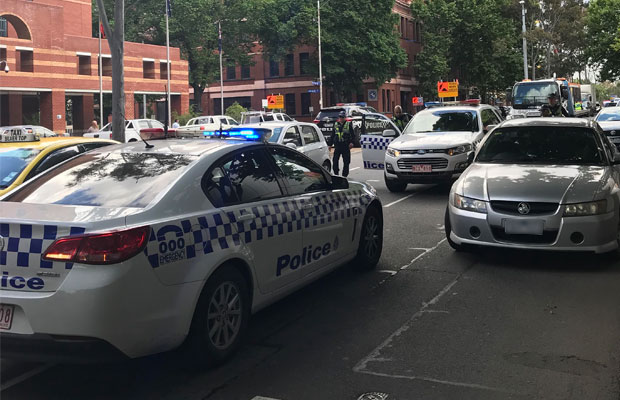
<point x="448" y="89"/>
<point x="274" y="102"/>
<point x="417" y="101"/>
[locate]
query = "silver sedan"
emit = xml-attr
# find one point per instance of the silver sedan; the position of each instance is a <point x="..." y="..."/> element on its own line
<point x="540" y="183"/>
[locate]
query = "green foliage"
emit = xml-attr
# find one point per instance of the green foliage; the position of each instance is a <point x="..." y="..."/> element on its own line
<point x="234" y="111"/>
<point x="359" y="38"/>
<point x="603" y="36"/>
<point x="183" y="118"/>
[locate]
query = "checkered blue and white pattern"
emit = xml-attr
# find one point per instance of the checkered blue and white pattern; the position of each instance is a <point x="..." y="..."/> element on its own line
<point x="24" y="244"/>
<point x="219" y="231"/>
<point x="375" y="143"/>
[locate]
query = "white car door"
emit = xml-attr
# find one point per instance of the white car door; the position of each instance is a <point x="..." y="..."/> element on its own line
<point x="374" y="143"/>
<point x="313" y="147"/>
<point x="292" y="139"/>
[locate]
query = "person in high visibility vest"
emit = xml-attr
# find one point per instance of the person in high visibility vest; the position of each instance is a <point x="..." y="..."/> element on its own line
<point x="342" y="140"/>
<point x="400" y="119"/>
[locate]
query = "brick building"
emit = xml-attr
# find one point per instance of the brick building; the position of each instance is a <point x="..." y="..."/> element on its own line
<point x="53" y="60"/>
<point x="248" y="85"/>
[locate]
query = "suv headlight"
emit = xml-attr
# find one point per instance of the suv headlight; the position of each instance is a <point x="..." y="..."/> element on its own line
<point x="582" y="209"/>
<point x="393" y="152"/>
<point x="465" y="203"/>
<point x="465" y="148"/>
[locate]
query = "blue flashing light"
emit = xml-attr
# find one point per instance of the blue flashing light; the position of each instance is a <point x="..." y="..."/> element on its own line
<point x="247" y="134"/>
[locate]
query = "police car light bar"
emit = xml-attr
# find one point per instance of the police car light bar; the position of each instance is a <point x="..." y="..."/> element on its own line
<point x="244" y="134"/>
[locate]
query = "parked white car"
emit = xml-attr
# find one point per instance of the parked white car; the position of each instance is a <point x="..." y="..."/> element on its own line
<point x="252" y="117"/>
<point x="38" y="130"/>
<point x="301" y="136"/>
<point x="209" y="123"/>
<point x="132" y="129"/>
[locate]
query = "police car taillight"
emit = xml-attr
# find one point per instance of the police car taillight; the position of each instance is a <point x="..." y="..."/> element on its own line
<point x="101" y="248"/>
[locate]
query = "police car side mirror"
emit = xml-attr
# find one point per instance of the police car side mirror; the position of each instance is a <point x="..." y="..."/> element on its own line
<point x="338" y="182"/>
<point x="389" y="133"/>
<point x="291" y="145"/>
<point x="489" y="128"/>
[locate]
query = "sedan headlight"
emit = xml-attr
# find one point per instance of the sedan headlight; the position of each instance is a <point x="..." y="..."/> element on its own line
<point x="393" y="152"/>
<point x="465" y="148"/>
<point x="465" y="203"/>
<point x="582" y="209"/>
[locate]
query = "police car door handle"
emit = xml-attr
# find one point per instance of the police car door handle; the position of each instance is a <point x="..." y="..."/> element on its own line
<point x="308" y="206"/>
<point x="246" y="217"/>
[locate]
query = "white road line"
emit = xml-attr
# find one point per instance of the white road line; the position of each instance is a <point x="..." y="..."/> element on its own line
<point x="419" y="248"/>
<point x="423" y="254"/>
<point x="373" y="180"/>
<point x="26" y="375"/>
<point x="388" y="271"/>
<point x="399" y="200"/>
<point x="353" y="169"/>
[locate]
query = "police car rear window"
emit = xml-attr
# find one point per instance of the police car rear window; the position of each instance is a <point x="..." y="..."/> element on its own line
<point x="106" y="180"/>
<point x="329" y="113"/>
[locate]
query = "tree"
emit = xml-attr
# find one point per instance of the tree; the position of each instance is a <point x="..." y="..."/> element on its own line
<point x="234" y="111"/>
<point x="116" y="41"/>
<point x="603" y="36"/>
<point x="358" y="37"/>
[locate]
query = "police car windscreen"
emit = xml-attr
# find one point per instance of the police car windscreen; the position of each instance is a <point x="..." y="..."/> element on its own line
<point x="106" y="180"/>
<point x="443" y="121"/>
<point x="12" y="163"/>
<point x="543" y="145"/>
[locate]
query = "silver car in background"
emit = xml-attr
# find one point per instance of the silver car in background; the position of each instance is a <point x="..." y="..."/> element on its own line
<point x="540" y="183"/>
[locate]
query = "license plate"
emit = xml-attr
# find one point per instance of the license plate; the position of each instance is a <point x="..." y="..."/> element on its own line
<point x="328" y="125"/>
<point x="422" y="168"/>
<point x="524" y="226"/>
<point x="6" y="316"/>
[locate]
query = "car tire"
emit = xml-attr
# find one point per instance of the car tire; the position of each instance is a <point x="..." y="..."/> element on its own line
<point x="371" y="241"/>
<point x="327" y="165"/>
<point x="448" y="229"/>
<point x="394" y="185"/>
<point x="225" y="297"/>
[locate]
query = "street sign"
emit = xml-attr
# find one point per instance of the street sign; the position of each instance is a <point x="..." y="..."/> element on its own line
<point x="372" y="95"/>
<point x="274" y="102"/>
<point x="315" y="83"/>
<point x="448" y="89"/>
<point x="264" y="103"/>
<point x="314" y="90"/>
<point x="417" y="101"/>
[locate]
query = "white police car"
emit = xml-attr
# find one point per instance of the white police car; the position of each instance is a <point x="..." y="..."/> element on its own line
<point x="135" y="250"/>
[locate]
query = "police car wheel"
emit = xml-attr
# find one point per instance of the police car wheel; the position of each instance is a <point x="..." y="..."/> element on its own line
<point x="220" y="319"/>
<point x="394" y="185"/>
<point x="371" y="241"/>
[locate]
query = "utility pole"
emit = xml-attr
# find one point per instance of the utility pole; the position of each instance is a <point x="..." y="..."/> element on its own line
<point x="522" y="2"/>
<point x="219" y="29"/>
<point x="318" y="8"/>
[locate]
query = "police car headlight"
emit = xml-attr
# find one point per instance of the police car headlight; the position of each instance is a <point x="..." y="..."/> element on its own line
<point x="393" y="152"/>
<point x="465" y="203"/>
<point x="583" y="209"/>
<point x="459" y="149"/>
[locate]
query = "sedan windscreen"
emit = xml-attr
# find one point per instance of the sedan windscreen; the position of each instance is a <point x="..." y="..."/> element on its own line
<point x="542" y="145"/>
<point x="106" y="180"/>
<point x="444" y="121"/>
<point x="611" y="115"/>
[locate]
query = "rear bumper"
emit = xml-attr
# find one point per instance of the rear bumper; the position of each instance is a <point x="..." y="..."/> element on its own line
<point x="41" y="347"/>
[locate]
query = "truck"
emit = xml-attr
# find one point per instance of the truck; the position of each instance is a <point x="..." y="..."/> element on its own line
<point x="528" y="97"/>
<point x="588" y="98"/>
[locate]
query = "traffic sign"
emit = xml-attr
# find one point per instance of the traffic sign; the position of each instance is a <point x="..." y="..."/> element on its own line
<point x="314" y="90"/>
<point x="274" y="102"/>
<point x="316" y="83"/>
<point x="417" y="101"/>
<point x="372" y="95"/>
<point x="448" y="89"/>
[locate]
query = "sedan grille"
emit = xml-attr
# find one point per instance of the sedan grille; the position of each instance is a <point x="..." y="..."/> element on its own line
<point x="548" y="237"/>
<point x="512" y="207"/>
<point x="436" y="163"/>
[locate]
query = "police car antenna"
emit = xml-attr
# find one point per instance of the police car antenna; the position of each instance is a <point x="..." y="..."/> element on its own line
<point x="147" y="145"/>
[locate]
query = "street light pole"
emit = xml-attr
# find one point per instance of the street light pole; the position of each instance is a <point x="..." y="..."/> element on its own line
<point x="219" y="29"/>
<point x="522" y="2"/>
<point x="318" y="8"/>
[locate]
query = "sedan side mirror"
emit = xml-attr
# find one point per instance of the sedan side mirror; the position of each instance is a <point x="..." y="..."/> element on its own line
<point x="389" y="133"/>
<point x="338" y="182"/>
<point x="291" y="145"/>
<point x="489" y="128"/>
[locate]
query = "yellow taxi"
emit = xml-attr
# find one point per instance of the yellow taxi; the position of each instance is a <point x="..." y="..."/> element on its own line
<point x="24" y="154"/>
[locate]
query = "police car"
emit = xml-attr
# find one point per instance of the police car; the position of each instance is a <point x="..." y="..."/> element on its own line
<point x="134" y="249"/>
<point x="24" y="154"/>
<point x="434" y="147"/>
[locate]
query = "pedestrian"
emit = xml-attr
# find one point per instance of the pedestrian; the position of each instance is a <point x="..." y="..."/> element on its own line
<point x="94" y="127"/>
<point x="176" y="125"/>
<point x="342" y="140"/>
<point x="400" y="119"/>
<point x="557" y="109"/>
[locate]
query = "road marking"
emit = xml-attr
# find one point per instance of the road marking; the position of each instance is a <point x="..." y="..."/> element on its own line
<point x="26" y="375"/>
<point x="373" y="180"/>
<point x="399" y="200"/>
<point x="353" y="169"/>
<point x="426" y="251"/>
<point x="388" y="271"/>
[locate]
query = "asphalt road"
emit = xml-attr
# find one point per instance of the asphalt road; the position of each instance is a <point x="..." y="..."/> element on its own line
<point x="429" y="323"/>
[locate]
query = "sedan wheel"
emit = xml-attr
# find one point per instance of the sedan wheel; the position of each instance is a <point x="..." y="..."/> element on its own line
<point x="224" y="315"/>
<point x="371" y="241"/>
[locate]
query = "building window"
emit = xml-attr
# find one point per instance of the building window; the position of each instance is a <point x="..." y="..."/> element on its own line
<point x="148" y="69"/>
<point x="289" y="65"/>
<point x="84" y="65"/>
<point x="163" y="70"/>
<point x="106" y="66"/>
<point x="274" y="68"/>
<point x="4" y="28"/>
<point x="289" y="103"/>
<point x="403" y="27"/>
<point x="231" y="72"/>
<point x="2" y="56"/>
<point x="245" y="72"/>
<point x="303" y="63"/>
<point x="305" y="103"/>
<point x="25" y="60"/>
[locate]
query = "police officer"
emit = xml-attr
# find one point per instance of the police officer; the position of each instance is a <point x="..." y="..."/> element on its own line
<point x="342" y="140"/>
<point x="400" y="119"/>
<point x="556" y="108"/>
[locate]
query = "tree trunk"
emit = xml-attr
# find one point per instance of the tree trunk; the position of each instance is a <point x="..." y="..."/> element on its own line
<point x="116" y="40"/>
<point x="198" y="90"/>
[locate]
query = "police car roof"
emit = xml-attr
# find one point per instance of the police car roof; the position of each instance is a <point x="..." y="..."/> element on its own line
<point x="197" y="147"/>
<point x="548" y="122"/>
<point x="456" y="108"/>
